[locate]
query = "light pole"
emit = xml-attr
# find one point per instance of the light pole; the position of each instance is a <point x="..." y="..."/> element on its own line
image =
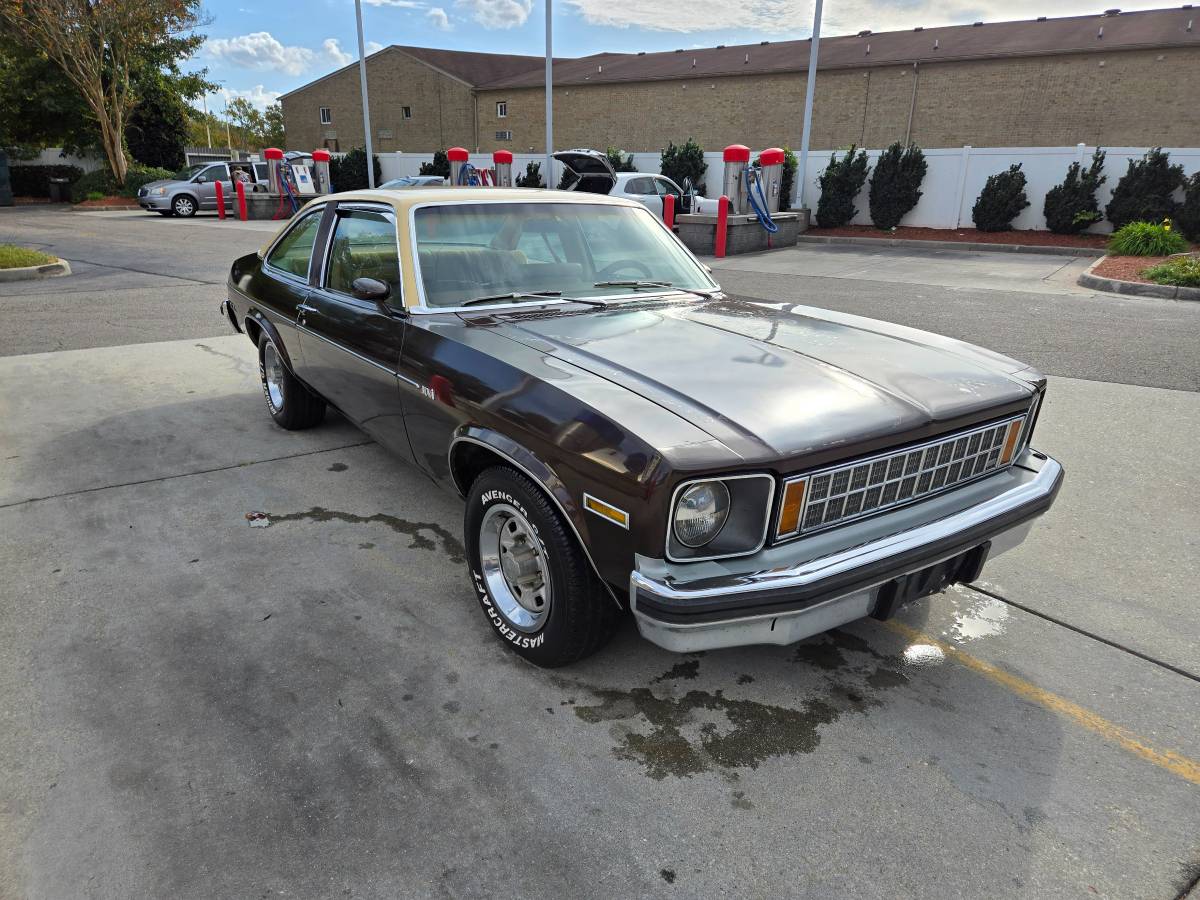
<point x="549" y="92"/>
<point x="362" y="80"/>
<point x="809" y="87"/>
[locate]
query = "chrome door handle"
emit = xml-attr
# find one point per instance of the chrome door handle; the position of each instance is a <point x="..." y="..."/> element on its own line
<point x="305" y="308"/>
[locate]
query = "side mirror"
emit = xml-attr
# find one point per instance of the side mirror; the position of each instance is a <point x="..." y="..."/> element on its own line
<point x="200" y="179"/>
<point x="370" y="289"/>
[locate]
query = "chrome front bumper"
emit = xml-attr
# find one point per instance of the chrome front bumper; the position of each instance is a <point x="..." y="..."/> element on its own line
<point x="794" y="590"/>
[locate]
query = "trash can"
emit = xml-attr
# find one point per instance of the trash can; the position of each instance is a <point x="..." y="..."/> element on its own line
<point x="60" y="189"/>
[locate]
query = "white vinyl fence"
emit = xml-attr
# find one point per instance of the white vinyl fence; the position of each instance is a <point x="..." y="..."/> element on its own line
<point x="954" y="178"/>
<point x="53" y="156"/>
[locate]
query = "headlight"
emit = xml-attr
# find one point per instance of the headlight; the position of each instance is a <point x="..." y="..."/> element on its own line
<point x="715" y="518"/>
<point x="700" y="513"/>
<point x="160" y="191"/>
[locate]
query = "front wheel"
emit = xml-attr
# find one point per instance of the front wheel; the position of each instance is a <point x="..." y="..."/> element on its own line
<point x="183" y="206"/>
<point x="530" y="576"/>
<point x="290" y="403"/>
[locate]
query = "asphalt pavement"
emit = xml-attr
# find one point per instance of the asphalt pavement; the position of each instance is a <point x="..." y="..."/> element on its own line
<point x="195" y="707"/>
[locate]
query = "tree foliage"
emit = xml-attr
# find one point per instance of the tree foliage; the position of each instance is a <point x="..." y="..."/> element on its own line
<point x="1071" y="206"/>
<point x="841" y="183"/>
<point x="896" y="184"/>
<point x="100" y="46"/>
<point x="619" y="161"/>
<point x="532" y="177"/>
<point x="349" y="172"/>
<point x="440" y="165"/>
<point x="251" y="129"/>
<point x="1001" y="200"/>
<point x="1145" y="192"/>
<point x="679" y="163"/>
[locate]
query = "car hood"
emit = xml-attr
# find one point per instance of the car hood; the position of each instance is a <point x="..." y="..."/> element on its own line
<point x="162" y="182"/>
<point x="780" y="380"/>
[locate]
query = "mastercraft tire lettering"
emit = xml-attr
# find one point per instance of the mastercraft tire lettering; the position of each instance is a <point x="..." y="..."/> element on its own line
<point x="532" y="582"/>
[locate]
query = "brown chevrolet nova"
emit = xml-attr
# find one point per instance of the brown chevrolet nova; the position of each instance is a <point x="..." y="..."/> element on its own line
<point x="625" y="435"/>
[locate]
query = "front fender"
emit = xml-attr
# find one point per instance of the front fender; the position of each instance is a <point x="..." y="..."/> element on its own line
<point x="543" y="475"/>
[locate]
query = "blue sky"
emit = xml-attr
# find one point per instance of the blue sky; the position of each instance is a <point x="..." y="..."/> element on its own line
<point x="259" y="49"/>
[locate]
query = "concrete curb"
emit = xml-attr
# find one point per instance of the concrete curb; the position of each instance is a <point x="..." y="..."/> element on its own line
<point x="950" y="245"/>
<point x="131" y="207"/>
<point x="1135" y="288"/>
<point x="55" y="269"/>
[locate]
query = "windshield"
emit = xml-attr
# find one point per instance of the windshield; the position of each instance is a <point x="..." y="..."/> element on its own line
<point x="185" y="174"/>
<point x="473" y="250"/>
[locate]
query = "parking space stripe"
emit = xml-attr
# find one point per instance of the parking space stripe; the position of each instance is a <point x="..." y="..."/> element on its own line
<point x="1175" y="763"/>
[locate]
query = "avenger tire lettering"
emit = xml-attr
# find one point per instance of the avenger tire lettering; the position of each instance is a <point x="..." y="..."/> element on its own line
<point x="578" y="618"/>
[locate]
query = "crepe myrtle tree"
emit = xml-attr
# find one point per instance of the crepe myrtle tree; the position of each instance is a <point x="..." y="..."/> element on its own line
<point x="98" y="44"/>
<point x="896" y="184"/>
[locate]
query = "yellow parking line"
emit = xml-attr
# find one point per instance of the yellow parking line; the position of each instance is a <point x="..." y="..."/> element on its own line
<point x="1173" y="762"/>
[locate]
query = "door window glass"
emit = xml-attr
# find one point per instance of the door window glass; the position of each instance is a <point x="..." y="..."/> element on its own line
<point x="364" y="246"/>
<point x="640" y="186"/>
<point x="293" y="252"/>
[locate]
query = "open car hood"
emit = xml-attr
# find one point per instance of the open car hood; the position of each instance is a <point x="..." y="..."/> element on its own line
<point x="593" y="172"/>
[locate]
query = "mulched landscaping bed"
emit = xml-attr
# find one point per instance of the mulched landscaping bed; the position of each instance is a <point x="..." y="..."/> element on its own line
<point x="969" y="236"/>
<point x="108" y="203"/>
<point x="1127" y="268"/>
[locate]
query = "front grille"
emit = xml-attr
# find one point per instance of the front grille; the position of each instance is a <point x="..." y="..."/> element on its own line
<point x="851" y="491"/>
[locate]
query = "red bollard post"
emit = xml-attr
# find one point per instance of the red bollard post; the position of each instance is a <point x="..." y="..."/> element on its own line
<point x="669" y="210"/>
<point x="240" y="187"/>
<point x="722" y="227"/>
<point x="220" y="199"/>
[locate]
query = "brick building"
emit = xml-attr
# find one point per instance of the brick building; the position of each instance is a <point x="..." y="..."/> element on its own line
<point x="1116" y="79"/>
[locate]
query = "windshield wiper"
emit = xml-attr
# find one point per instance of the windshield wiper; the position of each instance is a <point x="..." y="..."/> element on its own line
<point x="512" y="295"/>
<point x="637" y="285"/>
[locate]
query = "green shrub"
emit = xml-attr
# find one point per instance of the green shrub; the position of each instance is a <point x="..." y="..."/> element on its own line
<point x="139" y="175"/>
<point x="349" y="172"/>
<point x="95" y="195"/>
<point x="1071" y="206"/>
<point x="439" y="166"/>
<point x="840" y="183"/>
<point x="619" y="161"/>
<point x="12" y="257"/>
<point x="532" y="177"/>
<point x="684" y="162"/>
<point x="1144" y="193"/>
<point x="34" y="181"/>
<point x="1183" y="271"/>
<point x="896" y="184"/>
<point x="101" y="182"/>
<point x="1147" y="239"/>
<point x="1001" y="200"/>
<point x="1188" y="216"/>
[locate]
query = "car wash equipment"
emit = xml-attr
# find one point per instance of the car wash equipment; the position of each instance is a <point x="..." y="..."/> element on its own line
<point x="220" y="189"/>
<point x="771" y="163"/>
<point x="502" y="160"/>
<point x="753" y="179"/>
<point x="737" y="158"/>
<point x="321" y="171"/>
<point x="458" y="162"/>
<point x="273" y="156"/>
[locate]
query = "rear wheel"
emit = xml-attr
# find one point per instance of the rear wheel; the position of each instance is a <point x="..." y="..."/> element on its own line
<point x="291" y="404"/>
<point x="530" y="576"/>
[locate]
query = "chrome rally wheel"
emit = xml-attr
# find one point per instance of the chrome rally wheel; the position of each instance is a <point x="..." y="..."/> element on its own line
<point x="514" y="567"/>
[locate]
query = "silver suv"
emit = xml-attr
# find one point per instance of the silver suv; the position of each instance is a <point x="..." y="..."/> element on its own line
<point x="195" y="187"/>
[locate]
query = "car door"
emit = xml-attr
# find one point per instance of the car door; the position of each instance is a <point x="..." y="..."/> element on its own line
<point x="351" y="347"/>
<point x="281" y="284"/>
<point x="642" y="190"/>
<point x="664" y="187"/>
<point x="206" y="185"/>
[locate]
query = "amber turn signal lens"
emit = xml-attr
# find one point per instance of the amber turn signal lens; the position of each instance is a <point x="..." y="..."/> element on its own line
<point x="793" y="505"/>
<point x="1010" y="442"/>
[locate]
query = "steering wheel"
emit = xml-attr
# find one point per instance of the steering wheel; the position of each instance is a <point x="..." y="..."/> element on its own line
<point x="607" y="273"/>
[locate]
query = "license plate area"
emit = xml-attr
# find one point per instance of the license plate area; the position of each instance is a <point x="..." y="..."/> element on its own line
<point x="960" y="569"/>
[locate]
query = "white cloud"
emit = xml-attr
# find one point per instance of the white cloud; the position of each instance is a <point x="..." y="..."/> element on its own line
<point x="510" y="13"/>
<point x="793" y="17"/>
<point x="373" y="47"/>
<point x="261" y="50"/>
<point x="334" y="53"/>
<point x="438" y="18"/>
<point x="398" y="4"/>
<point x="257" y="95"/>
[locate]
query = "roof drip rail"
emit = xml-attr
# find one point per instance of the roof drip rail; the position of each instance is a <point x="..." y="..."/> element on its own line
<point x="1100" y="33"/>
<point x="936" y="43"/>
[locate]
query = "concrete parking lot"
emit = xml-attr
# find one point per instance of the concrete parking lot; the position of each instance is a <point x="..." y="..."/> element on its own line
<point x="194" y="707"/>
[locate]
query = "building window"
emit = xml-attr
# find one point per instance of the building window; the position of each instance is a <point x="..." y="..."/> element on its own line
<point x="406" y="112"/>
<point x="502" y="109"/>
<point x="504" y="135"/>
<point x="326" y="116"/>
